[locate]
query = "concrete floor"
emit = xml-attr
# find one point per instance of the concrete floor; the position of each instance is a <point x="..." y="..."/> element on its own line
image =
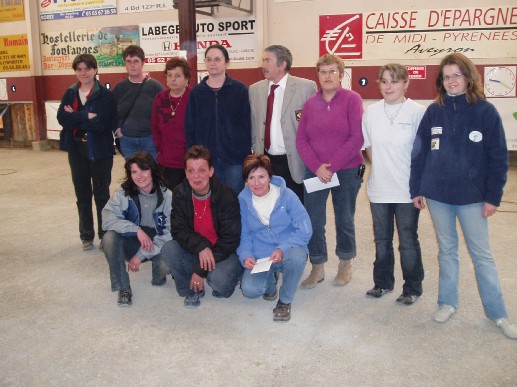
<point x="60" y="324"/>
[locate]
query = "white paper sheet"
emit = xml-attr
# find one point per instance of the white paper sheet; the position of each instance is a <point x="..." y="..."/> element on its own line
<point x="262" y="264"/>
<point x="314" y="184"/>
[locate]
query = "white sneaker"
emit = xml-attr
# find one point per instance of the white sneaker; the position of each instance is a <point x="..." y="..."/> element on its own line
<point x="444" y="312"/>
<point x="507" y="327"/>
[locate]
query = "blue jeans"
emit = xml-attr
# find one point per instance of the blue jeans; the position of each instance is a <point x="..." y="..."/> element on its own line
<point x="343" y="198"/>
<point x="406" y="216"/>
<point x="119" y="249"/>
<point x="131" y="145"/>
<point x="291" y="267"/>
<point x="223" y="279"/>
<point x="475" y="231"/>
<point x="90" y="177"/>
<point x="231" y="175"/>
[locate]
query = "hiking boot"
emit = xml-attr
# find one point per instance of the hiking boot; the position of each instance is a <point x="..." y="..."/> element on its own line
<point x="193" y="300"/>
<point x="378" y="292"/>
<point x="124" y="297"/>
<point x="87" y="245"/>
<point x="407" y="299"/>
<point x="270" y="296"/>
<point x="507" y="327"/>
<point x="317" y="275"/>
<point x="282" y="312"/>
<point x="443" y="313"/>
<point x="344" y="272"/>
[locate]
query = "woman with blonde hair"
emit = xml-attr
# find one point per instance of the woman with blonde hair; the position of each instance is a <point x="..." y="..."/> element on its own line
<point x="389" y="129"/>
<point x="329" y="142"/>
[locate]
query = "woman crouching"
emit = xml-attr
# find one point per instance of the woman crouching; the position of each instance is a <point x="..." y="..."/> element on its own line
<point x="275" y="225"/>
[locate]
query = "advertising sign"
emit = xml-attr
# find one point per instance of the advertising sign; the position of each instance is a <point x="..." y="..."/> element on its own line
<point x="160" y="41"/>
<point x="130" y="6"/>
<point x="11" y="10"/>
<point x="14" y="53"/>
<point x="63" y="9"/>
<point x="59" y="49"/>
<point x="421" y="34"/>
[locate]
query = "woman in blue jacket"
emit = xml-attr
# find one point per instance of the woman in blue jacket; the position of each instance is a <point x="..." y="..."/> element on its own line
<point x="459" y="164"/>
<point x="88" y="116"/>
<point x="274" y="225"/>
<point x="218" y="117"/>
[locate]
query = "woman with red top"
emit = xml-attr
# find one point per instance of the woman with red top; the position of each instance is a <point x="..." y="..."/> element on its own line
<point x="167" y="121"/>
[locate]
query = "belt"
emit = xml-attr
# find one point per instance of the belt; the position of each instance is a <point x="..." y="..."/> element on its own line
<point x="274" y="156"/>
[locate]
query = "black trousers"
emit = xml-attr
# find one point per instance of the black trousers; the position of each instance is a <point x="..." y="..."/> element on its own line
<point x="281" y="168"/>
<point x="172" y="176"/>
<point x="90" y="178"/>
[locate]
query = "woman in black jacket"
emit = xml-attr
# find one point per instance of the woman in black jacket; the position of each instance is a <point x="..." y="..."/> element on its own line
<point x="87" y="114"/>
<point x="206" y="227"/>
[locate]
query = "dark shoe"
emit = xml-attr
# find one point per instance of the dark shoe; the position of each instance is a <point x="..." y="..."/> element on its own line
<point x="407" y="299"/>
<point x="270" y="296"/>
<point x="87" y="245"/>
<point x="377" y="292"/>
<point x="124" y="297"/>
<point x="159" y="281"/>
<point x="282" y="312"/>
<point x="193" y="300"/>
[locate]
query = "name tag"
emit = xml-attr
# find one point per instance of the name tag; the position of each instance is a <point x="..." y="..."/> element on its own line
<point x="436" y="130"/>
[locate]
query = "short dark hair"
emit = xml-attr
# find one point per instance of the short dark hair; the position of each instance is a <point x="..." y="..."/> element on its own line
<point x="223" y="50"/>
<point x="252" y="162"/>
<point x="182" y="63"/>
<point x="133" y="50"/>
<point x="282" y="54"/>
<point x="197" y="152"/>
<point x="88" y="59"/>
<point x="145" y="161"/>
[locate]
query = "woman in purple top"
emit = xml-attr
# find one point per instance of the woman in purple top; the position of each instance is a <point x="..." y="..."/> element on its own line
<point x="329" y="141"/>
<point x="167" y="121"/>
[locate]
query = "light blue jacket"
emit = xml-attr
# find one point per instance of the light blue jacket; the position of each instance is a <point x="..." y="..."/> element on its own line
<point x="121" y="215"/>
<point x="289" y="225"/>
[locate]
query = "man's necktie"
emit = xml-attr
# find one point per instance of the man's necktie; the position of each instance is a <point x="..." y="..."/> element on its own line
<point x="269" y="114"/>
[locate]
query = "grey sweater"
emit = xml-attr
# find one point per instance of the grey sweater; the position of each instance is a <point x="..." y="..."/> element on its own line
<point x="138" y="123"/>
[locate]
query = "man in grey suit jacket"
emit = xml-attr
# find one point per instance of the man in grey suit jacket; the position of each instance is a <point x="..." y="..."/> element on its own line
<point x="290" y="97"/>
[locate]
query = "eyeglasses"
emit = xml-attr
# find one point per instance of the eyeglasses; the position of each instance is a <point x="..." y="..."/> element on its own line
<point x="214" y="60"/>
<point x="454" y="76"/>
<point x="324" y="73"/>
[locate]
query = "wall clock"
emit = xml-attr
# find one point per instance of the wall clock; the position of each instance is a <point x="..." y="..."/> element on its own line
<point x="500" y="81"/>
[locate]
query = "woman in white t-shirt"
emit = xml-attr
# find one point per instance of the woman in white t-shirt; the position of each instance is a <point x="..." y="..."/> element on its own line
<point x="389" y="128"/>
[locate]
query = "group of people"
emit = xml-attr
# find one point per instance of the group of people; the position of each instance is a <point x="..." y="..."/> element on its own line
<point x="214" y="185"/>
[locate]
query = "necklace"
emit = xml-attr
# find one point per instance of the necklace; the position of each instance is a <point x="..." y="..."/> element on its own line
<point x="204" y="208"/>
<point x="328" y="101"/>
<point x="392" y="117"/>
<point x="173" y="109"/>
